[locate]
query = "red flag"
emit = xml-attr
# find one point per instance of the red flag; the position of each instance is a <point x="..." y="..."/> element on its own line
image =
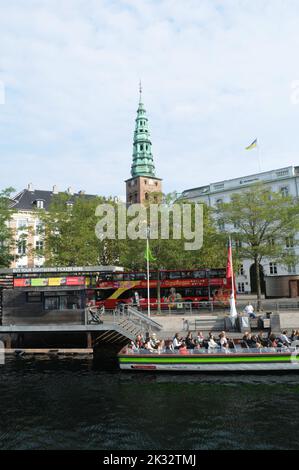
<point x="229" y="265"/>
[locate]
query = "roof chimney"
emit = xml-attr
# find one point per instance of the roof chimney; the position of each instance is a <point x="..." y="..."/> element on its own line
<point x="70" y="190"/>
<point x="30" y="187"/>
<point x="55" y="189"/>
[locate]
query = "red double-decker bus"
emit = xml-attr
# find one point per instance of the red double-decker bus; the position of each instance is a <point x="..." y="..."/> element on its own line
<point x="176" y="286"/>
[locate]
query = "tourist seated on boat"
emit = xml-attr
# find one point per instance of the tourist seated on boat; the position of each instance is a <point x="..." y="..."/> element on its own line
<point x="223" y="341"/>
<point x="225" y="348"/>
<point x="177" y="341"/>
<point x="261" y="339"/>
<point x="190" y="343"/>
<point x="154" y="341"/>
<point x="199" y="340"/>
<point x="272" y="341"/>
<point x="255" y="342"/>
<point x="295" y="335"/>
<point x="283" y="339"/>
<point x="211" y="342"/>
<point x="139" y="342"/>
<point x="168" y="346"/>
<point x="132" y="347"/>
<point x="251" y="341"/>
<point x="148" y="347"/>
<point x="183" y="348"/>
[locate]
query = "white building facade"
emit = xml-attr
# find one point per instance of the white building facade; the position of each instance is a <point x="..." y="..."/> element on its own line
<point x="283" y="180"/>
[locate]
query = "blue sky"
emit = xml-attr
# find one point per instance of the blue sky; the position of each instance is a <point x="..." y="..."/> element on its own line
<point x="215" y="74"/>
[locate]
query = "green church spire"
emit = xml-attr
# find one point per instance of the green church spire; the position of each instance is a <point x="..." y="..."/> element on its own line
<point x="143" y="163"/>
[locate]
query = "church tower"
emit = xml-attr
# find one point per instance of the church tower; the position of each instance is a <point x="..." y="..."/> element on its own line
<point x="143" y="180"/>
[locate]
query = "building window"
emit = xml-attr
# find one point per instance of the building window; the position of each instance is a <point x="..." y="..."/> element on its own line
<point x="22" y="247"/>
<point x="273" y="268"/>
<point x="145" y="181"/>
<point x="290" y="242"/>
<point x="241" y="287"/>
<point x="39" y="204"/>
<point x="241" y="270"/>
<point x="291" y="269"/>
<point x="22" y="224"/>
<point x="284" y="190"/>
<point x="51" y="303"/>
<point x="39" y="245"/>
<point x="141" y="147"/>
<point x="34" y="297"/>
<point x="39" y="228"/>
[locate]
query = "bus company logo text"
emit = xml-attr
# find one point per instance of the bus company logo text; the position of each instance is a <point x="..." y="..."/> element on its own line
<point x="158" y="221"/>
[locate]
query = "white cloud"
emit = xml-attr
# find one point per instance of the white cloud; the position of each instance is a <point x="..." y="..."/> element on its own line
<point x="215" y="76"/>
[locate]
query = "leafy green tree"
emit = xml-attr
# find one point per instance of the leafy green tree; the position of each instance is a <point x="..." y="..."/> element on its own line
<point x="260" y="221"/>
<point x="6" y="234"/>
<point x="69" y="233"/>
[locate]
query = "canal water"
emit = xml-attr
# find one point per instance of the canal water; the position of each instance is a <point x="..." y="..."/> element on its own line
<point x="85" y="404"/>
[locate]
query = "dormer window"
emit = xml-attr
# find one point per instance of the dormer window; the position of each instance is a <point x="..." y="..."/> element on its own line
<point x="69" y="204"/>
<point x="39" y="203"/>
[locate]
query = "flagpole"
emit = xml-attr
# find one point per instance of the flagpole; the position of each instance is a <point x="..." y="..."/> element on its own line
<point x="148" y="279"/>
<point x="259" y="157"/>
<point x="232" y="268"/>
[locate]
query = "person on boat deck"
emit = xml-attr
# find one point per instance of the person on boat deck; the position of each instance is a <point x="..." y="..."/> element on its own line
<point x="148" y="346"/>
<point x="272" y="341"/>
<point x="211" y="342"/>
<point x="284" y="339"/>
<point x="199" y="338"/>
<point x="169" y="346"/>
<point x="176" y="341"/>
<point x="223" y="339"/>
<point x="190" y="344"/>
<point x="249" y="311"/>
<point x="154" y="341"/>
<point x="183" y="348"/>
<point x="294" y="335"/>
<point x="260" y="339"/>
<point x="251" y="341"/>
<point x="225" y="348"/>
<point x="139" y="342"/>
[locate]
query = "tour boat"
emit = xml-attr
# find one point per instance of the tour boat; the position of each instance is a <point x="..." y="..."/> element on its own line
<point x="263" y="359"/>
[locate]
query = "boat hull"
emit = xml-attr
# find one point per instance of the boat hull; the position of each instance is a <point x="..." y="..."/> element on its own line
<point x="209" y="363"/>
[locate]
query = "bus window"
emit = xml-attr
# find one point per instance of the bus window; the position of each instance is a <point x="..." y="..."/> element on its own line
<point x="153" y="275"/>
<point x="199" y="274"/>
<point x="174" y="275"/>
<point x="202" y="292"/>
<point x="186" y="274"/>
<point x="188" y="292"/>
<point x="118" y="276"/>
<point x="128" y="276"/>
<point x="219" y="273"/>
<point x="140" y="276"/>
<point x="102" y="294"/>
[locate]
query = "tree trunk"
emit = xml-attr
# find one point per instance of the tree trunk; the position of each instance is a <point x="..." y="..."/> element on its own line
<point x="258" y="284"/>
<point x="158" y="292"/>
